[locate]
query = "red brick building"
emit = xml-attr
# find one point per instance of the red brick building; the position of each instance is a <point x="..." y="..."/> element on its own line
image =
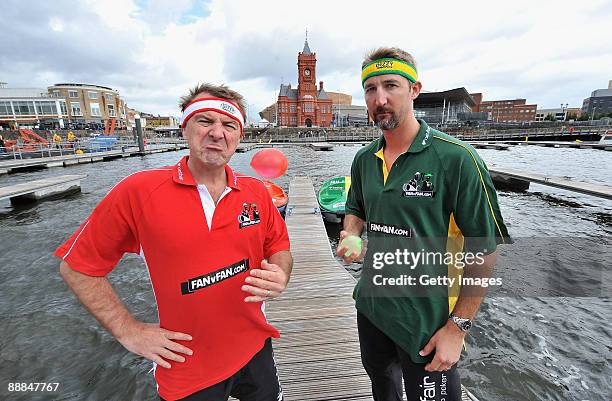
<point x="307" y="105"/>
<point x="507" y="111"/>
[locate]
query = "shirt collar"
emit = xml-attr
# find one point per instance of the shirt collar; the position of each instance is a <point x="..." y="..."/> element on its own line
<point x="421" y="141"/>
<point x="182" y="175"/>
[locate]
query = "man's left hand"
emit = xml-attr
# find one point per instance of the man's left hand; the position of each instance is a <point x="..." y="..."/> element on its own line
<point x="447" y="342"/>
<point x="268" y="282"/>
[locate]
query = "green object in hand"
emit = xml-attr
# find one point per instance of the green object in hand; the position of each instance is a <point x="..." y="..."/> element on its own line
<point x="353" y="243"/>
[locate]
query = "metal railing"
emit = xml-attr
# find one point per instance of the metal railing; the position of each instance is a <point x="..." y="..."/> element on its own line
<point x="21" y="150"/>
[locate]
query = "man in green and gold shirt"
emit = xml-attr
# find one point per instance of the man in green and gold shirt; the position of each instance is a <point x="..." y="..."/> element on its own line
<point x="433" y="224"/>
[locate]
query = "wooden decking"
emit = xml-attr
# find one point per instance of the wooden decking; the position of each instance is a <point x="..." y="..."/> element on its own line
<point x="318" y="353"/>
<point x="18" y="164"/>
<point x="588" y="188"/>
<point x="321" y="146"/>
<point x="39" y="189"/>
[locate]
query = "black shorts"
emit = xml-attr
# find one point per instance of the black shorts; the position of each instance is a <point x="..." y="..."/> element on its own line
<point x="386" y="364"/>
<point x="256" y="381"/>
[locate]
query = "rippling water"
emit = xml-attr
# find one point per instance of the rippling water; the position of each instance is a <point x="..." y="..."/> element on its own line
<point x="522" y="348"/>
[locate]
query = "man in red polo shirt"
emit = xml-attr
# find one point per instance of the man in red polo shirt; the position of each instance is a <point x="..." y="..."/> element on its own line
<point x="215" y="248"/>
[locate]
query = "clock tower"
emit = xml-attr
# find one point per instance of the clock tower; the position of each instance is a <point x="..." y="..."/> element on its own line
<point x="307" y="87"/>
<point x="308" y="105"/>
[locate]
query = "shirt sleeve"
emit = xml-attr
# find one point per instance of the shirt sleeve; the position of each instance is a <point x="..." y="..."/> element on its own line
<point x="354" y="198"/>
<point x="100" y="242"/>
<point x="277" y="237"/>
<point x="476" y="211"/>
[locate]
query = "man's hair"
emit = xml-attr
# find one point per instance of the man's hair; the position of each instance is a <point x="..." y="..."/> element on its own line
<point x="389" y="52"/>
<point x="220" y="91"/>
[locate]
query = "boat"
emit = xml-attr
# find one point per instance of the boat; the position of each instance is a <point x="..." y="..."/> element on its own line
<point x="332" y="198"/>
<point x="606" y="139"/>
<point x="279" y="197"/>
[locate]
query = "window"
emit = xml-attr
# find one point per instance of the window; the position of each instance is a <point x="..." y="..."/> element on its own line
<point x="111" y="110"/>
<point x="109" y="97"/>
<point x="75" y="108"/>
<point x="292" y="108"/>
<point x="56" y="93"/>
<point x="24" y="108"/>
<point x="95" y="109"/>
<point x="73" y="94"/>
<point x="92" y="95"/>
<point x="5" y="109"/>
<point x="46" y="108"/>
<point x="63" y="108"/>
<point x="308" y="108"/>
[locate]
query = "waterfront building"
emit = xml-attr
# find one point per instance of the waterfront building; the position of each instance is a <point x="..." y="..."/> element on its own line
<point x="88" y="103"/>
<point x="154" y="121"/>
<point x="559" y="114"/>
<point x="347" y="115"/>
<point x="340" y="98"/>
<point x="306" y="105"/>
<point x="600" y="101"/>
<point x="443" y="107"/>
<point x="337" y="98"/>
<point x="31" y="108"/>
<point x="269" y="113"/>
<point x="506" y="110"/>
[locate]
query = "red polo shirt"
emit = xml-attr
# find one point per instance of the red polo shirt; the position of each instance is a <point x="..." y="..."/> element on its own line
<point x="196" y="272"/>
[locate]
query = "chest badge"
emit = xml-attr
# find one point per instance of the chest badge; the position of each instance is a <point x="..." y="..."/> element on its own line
<point x="249" y="215"/>
<point x="420" y="186"/>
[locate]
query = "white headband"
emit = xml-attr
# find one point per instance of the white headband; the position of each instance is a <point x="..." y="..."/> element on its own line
<point x="212" y="104"/>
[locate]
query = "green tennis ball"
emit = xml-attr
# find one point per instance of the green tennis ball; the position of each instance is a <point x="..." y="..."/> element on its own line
<point x="353" y="243"/>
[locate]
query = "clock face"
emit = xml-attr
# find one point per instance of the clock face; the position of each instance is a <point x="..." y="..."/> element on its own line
<point x="307" y="72"/>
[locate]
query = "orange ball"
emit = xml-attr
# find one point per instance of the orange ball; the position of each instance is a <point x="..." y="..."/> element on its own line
<point x="270" y="163"/>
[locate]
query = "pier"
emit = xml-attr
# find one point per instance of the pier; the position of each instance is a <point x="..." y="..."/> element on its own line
<point x="19" y="164"/>
<point x="245" y="147"/>
<point x="520" y="180"/>
<point x="561" y="144"/>
<point x="318" y="354"/>
<point x="36" y="190"/>
<point x="321" y="146"/>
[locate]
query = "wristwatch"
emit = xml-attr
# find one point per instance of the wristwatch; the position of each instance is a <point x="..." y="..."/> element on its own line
<point x="464" y="324"/>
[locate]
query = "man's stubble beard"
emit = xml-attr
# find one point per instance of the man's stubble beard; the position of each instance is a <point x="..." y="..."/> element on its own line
<point x="388" y="124"/>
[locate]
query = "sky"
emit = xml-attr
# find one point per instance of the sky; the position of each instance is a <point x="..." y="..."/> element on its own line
<point x="153" y="51"/>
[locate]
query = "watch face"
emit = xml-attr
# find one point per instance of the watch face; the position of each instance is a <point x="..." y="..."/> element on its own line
<point x="466" y="325"/>
<point x="307" y="72"/>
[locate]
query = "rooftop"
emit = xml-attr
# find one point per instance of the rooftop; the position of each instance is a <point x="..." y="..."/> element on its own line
<point x="452" y="95"/>
<point x="82" y="85"/>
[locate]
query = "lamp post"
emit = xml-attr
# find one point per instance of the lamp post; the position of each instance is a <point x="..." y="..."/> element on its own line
<point x="564" y="111"/>
<point x="593" y="112"/>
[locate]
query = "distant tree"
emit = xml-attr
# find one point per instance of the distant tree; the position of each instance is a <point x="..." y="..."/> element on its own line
<point x="571" y="116"/>
<point x="584" y="117"/>
<point x="550" y="117"/>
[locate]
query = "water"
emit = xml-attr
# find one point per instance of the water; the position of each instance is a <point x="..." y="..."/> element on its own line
<point x="520" y="349"/>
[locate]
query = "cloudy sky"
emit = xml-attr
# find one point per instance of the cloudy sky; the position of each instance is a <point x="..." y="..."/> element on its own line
<point x="152" y="51"/>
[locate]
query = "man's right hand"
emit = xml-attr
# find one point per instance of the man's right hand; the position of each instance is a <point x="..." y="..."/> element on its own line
<point x="341" y="250"/>
<point x="154" y="343"/>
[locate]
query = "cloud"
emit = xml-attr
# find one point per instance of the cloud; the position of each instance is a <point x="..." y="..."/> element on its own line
<point x="152" y="51"/>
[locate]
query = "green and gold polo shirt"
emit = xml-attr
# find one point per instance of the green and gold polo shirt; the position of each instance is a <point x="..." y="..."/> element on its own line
<point x="437" y="199"/>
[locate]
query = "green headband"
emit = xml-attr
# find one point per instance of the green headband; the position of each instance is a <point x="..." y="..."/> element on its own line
<point x="389" y="66"/>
